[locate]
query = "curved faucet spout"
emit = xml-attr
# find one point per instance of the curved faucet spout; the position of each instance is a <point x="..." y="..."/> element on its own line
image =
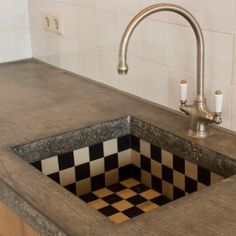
<point x="123" y="66"/>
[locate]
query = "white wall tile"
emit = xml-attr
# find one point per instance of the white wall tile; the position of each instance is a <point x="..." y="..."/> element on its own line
<point x="162" y="49"/>
<point x="15" y="42"/>
<point x="217" y="15"/>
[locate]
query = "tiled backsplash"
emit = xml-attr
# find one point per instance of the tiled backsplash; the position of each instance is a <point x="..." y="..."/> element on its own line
<point x="162" y="51"/>
<point x="91" y="168"/>
<point x="15" y="42"/>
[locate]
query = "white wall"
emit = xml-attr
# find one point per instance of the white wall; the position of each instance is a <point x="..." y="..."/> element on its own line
<point x="162" y="51"/>
<point x="15" y="41"/>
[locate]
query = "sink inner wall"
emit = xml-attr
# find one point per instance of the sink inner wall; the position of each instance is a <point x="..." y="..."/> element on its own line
<point x="90" y="169"/>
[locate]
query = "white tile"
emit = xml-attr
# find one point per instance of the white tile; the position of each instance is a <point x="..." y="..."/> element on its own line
<point x="111" y="177"/>
<point x="110" y="147"/>
<point x="168" y="190"/>
<point x="83" y="187"/>
<point x="156" y="169"/>
<point x="131" y="7"/>
<point x="191" y="170"/>
<point x="154" y="38"/>
<point x="50" y="165"/>
<point x="124" y="158"/>
<point x="97" y="167"/>
<point x="182" y="48"/>
<point x="81" y="156"/>
<point x="219" y="56"/>
<point x="106" y="25"/>
<point x="135" y="158"/>
<point x="146" y="178"/>
<point x="15" y="45"/>
<point x="145" y="148"/>
<point x="67" y="176"/>
<point x="109" y="5"/>
<point x="215" y="178"/>
<point x="217" y="15"/>
<point x="167" y="158"/>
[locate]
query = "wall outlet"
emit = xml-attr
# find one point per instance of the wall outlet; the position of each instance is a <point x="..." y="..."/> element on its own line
<point x="52" y="22"/>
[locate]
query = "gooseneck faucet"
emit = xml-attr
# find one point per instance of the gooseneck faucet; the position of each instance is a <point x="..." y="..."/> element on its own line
<point x="200" y="115"/>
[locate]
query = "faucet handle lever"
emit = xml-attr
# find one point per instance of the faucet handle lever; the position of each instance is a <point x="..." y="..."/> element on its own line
<point x="218" y="101"/>
<point x="183" y="91"/>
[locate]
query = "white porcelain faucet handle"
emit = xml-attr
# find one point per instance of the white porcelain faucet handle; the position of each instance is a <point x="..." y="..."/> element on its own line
<point x="218" y="101"/>
<point x="183" y="90"/>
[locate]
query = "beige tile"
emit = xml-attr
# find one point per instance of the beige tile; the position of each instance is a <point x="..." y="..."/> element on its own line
<point x="50" y="165"/>
<point x="145" y="148"/>
<point x="179" y="180"/>
<point x="83" y="187"/>
<point x="124" y="158"/>
<point x="103" y="192"/>
<point x="215" y="178"/>
<point x="98" y="204"/>
<point x="200" y="186"/>
<point x="111" y="177"/>
<point x="67" y="176"/>
<point x="168" y="190"/>
<point x="97" y="167"/>
<point x="167" y="158"/>
<point x="81" y="156"/>
<point x="150" y="194"/>
<point x="110" y="147"/>
<point x="130" y="182"/>
<point x="126" y="193"/>
<point x="147" y="206"/>
<point x="118" y="218"/>
<point x="156" y="169"/>
<point x="191" y="170"/>
<point x="122" y="205"/>
<point x="135" y="158"/>
<point x="146" y="178"/>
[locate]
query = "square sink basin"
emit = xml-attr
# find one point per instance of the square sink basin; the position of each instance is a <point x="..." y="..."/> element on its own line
<point x="125" y="167"/>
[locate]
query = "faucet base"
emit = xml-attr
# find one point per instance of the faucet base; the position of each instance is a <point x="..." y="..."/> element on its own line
<point x="197" y="134"/>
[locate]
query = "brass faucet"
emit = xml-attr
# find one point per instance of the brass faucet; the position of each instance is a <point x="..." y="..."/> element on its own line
<point x="200" y="115"/>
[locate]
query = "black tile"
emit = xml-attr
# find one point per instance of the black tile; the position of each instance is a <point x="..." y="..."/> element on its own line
<point x="123" y="143"/>
<point x="139" y="188"/>
<point x="98" y="182"/>
<point x="135" y="143"/>
<point x="37" y="165"/>
<point x="108" y="211"/>
<point x="179" y="164"/>
<point x="89" y="197"/>
<point x="66" y="160"/>
<point x="71" y="188"/>
<point x="178" y="193"/>
<point x="161" y="200"/>
<point x="55" y="177"/>
<point x="190" y="185"/>
<point x="82" y="171"/>
<point x="204" y="176"/>
<point x="125" y="172"/>
<point x="113" y="198"/>
<point x="116" y="187"/>
<point x="156" y="184"/>
<point x="136" y="173"/>
<point x="145" y="163"/>
<point x="167" y="174"/>
<point x="137" y="199"/>
<point x="96" y="151"/>
<point x="132" y="212"/>
<point x="111" y="162"/>
<point x="156" y="153"/>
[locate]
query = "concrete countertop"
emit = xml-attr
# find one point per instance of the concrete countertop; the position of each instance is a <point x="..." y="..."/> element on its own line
<point x="38" y="101"/>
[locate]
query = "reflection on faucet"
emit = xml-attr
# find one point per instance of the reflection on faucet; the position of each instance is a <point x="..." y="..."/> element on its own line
<point x="200" y="116"/>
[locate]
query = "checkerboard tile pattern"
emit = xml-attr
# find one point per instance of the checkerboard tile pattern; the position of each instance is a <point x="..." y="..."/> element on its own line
<point x="126" y="176"/>
<point x="125" y="200"/>
<point x="166" y="172"/>
<point x="90" y="168"/>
